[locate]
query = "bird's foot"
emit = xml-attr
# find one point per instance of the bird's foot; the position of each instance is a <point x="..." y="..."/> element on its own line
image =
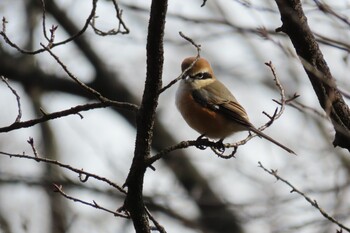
<point x="219" y="146"/>
<point x="202" y="142"/>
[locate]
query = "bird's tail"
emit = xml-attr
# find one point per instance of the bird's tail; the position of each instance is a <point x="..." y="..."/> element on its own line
<point x="261" y="134"/>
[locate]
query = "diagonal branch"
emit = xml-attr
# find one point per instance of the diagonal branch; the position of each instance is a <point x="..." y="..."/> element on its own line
<point x="59" y="189"/>
<point x="330" y="98"/>
<point x="307" y="198"/>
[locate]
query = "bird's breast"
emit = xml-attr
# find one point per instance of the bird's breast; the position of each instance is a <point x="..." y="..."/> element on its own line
<point x="202" y="119"/>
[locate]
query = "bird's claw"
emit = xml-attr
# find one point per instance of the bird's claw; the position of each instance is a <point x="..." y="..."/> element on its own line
<point x="219" y="146"/>
<point x="202" y="140"/>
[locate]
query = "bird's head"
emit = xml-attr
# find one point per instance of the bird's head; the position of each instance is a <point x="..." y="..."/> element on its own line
<point x="199" y="74"/>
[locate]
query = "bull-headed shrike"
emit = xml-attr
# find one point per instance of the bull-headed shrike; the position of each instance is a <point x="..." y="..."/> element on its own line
<point x="209" y="107"/>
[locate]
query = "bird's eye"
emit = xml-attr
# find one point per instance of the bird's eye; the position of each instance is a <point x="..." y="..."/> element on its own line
<point x="202" y="76"/>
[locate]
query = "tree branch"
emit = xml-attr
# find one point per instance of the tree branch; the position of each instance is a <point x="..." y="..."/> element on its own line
<point x="80" y="172"/>
<point x="296" y="27"/>
<point x="74" y="110"/>
<point x="59" y="189"/>
<point x="51" y="43"/>
<point x="19" y="115"/>
<point x="134" y="202"/>
<point x="307" y="198"/>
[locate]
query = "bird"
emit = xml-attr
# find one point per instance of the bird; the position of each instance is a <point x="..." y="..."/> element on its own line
<point x="208" y="106"/>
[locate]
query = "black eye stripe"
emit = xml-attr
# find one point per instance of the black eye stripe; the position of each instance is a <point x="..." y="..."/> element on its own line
<point x="203" y="75"/>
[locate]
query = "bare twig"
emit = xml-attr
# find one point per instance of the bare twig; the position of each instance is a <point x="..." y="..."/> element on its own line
<point x="79" y="33"/>
<point x="122" y="28"/>
<point x="307" y="198"/>
<point x="183" y="74"/>
<point x="325" y="8"/>
<point x="119" y="13"/>
<point x="66" y="166"/>
<point x="31" y="143"/>
<point x="280" y="88"/>
<point x="304" y="108"/>
<point x="71" y="111"/>
<point x="52" y="35"/>
<point x="181" y="145"/>
<point x="159" y="227"/>
<point x="19" y="115"/>
<point x="4" y="22"/>
<point x="59" y="189"/>
<point x="336" y="43"/>
<point x="278" y="112"/>
<point x="98" y="95"/>
<point x="198" y="46"/>
<point x="43" y="6"/>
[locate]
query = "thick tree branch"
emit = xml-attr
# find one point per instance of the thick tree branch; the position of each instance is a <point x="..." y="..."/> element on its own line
<point x="134" y="202"/>
<point x="296" y="27"/>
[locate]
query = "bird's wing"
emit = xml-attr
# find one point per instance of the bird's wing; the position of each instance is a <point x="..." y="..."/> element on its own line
<point x="218" y="98"/>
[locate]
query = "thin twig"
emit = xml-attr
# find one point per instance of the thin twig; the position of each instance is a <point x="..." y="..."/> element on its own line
<point x="52" y="35"/>
<point x="119" y="13"/>
<point x="283" y="98"/>
<point x="325" y="8"/>
<point x="181" y="145"/>
<point x="121" y="23"/>
<point x="278" y="113"/>
<point x="159" y="227"/>
<point x="31" y="143"/>
<point x="98" y="95"/>
<point x="59" y="189"/>
<point x="66" y="166"/>
<point x="198" y="46"/>
<point x="44" y="20"/>
<point x="79" y="33"/>
<point x="67" y="112"/>
<point x="4" y="22"/>
<point x="19" y="115"/>
<point x="307" y="198"/>
<point x="184" y="73"/>
<point x="304" y="108"/>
